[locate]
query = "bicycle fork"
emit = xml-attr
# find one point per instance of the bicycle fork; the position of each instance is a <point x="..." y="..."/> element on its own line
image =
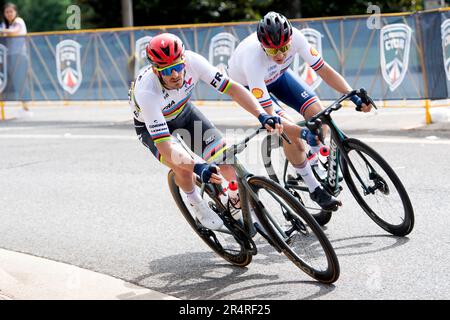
<point x="248" y="221"/>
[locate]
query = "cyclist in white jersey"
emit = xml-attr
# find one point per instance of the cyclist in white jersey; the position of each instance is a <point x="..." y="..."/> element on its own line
<point x="159" y="98"/>
<point x="261" y="63"/>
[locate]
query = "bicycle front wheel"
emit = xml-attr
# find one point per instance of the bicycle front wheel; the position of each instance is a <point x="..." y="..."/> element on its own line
<point x="236" y="250"/>
<point x="377" y="188"/>
<point x="294" y="230"/>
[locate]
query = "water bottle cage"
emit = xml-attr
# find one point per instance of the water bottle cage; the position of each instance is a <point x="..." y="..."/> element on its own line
<point x="234" y="204"/>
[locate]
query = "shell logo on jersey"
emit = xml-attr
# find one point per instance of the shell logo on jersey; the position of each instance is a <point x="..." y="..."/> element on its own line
<point x="395" y="44"/>
<point x="308" y="75"/>
<point x="140" y="55"/>
<point x="3" y="68"/>
<point x="68" y="66"/>
<point x="445" y="28"/>
<point x="258" y="93"/>
<point x="220" y="49"/>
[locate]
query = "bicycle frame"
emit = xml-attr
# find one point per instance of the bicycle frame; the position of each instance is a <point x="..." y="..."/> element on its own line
<point x="242" y="177"/>
<point x="337" y="148"/>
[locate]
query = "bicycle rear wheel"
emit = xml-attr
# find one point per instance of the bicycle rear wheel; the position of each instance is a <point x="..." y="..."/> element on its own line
<point x="379" y="191"/>
<point x="234" y="249"/>
<point x="293" y="230"/>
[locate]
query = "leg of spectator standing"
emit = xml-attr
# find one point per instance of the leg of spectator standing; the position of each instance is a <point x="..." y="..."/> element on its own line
<point x="20" y="83"/>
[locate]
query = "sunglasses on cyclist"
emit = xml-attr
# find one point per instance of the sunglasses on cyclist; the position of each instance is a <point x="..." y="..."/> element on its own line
<point x="274" y="51"/>
<point x="167" y="71"/>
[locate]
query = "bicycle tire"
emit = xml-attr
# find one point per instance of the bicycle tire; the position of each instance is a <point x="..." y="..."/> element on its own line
<point x="322" y="217"/>
<point x="241" y="257"/>
<point x="327" y="274"/>
<point x="407" y="224"/>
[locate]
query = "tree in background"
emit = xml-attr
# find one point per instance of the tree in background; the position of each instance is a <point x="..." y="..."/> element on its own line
<point x="163" y="12"/>
<point x="42" y="15"/>
<point x="326" y="8"/>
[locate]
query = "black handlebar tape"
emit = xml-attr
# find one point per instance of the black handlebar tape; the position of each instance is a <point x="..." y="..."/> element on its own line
<point x="214" y="168"/>
<point x="271" y="123"/>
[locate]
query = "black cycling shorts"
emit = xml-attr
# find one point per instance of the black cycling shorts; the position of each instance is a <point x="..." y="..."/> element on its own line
<point x="197" y="132"/>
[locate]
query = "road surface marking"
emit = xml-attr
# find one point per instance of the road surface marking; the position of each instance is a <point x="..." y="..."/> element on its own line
<point x="233" y="137"/>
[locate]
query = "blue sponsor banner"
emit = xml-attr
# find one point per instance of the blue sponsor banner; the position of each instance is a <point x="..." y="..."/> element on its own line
<point x="439" y="81"/>
<point x="407" y="57"/>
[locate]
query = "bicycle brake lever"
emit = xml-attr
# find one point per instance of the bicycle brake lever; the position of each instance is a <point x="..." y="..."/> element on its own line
<point x="286" y="138"/>
<point x="283" y="135"/>
<point x="202" y="189"/>
<point x="362" y="93"/>
<point x="321" y="137"/>
<point x="316" y="129"/>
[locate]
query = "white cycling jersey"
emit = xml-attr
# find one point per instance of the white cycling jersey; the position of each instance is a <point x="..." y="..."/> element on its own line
<point x="154" y="105"/>
<point x="250" y="66"/>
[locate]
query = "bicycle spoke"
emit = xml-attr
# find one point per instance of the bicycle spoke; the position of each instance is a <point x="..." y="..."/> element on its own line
<point x="383" y="196"/>
<point x="301" y="240"/>
<point x="389" y="208"/>
<point x="230" y="247"/>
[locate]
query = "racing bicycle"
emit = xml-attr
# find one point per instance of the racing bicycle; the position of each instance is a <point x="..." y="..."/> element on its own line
<point x="371" y="180"/>
<point x="283" y="221"/>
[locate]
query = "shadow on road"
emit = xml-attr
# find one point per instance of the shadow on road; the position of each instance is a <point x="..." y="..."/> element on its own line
<point x="203" y="275"/>
<point x="366" y="244"/>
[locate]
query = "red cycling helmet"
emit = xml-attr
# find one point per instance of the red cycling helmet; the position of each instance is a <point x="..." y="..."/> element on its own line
<point x="164" y="49"/>
<point x="274" y="30"/>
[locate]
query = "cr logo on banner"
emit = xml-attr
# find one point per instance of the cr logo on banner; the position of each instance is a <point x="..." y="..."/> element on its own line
<point x="395" y="44"/>
<point x="3" y="68"/>
<point x="68" y="65"/>
<point x="220" y="49"/>
<point x="140" y="55"/>
<point x="308" y="75"/>
<point x="445" y="31"/>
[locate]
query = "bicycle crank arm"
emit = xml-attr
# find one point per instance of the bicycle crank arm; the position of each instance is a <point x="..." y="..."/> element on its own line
<point x="265" y="236"/>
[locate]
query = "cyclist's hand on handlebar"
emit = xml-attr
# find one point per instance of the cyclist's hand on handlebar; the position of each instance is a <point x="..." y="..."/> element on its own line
<point x="208" y="173"/>
<point x="360" y="105"/>
<point x="271" y="122"/>
<point x="311" y="138"/>
<point x="366" y="108"/>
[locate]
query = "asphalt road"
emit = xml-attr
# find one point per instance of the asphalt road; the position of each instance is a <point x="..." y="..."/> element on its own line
<point x="76" y="186"/>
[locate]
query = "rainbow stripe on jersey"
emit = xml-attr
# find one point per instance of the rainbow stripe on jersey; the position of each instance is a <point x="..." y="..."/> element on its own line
<point x="213" y="151"/>
<point x="225" y="86"/>
<point x="175" y="110"/>
<point x="161" y="137"/>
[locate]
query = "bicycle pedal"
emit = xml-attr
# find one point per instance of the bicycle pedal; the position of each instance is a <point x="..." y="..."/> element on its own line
<point x="294" y="180"/>
<point x="335" y="208"/>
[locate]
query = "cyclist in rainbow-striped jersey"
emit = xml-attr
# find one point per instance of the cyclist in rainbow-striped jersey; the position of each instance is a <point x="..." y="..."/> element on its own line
<point x="159" y="98"/>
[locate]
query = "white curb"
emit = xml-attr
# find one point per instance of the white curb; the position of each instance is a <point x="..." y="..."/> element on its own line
<point x="26" y="277"/>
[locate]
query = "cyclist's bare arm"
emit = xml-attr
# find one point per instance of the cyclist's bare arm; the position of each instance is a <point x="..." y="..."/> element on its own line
<point x="337" y="82"/>
<point x="245" y="99"/>
<point x="334" y="79"/>
<point x="176" y="158"/>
